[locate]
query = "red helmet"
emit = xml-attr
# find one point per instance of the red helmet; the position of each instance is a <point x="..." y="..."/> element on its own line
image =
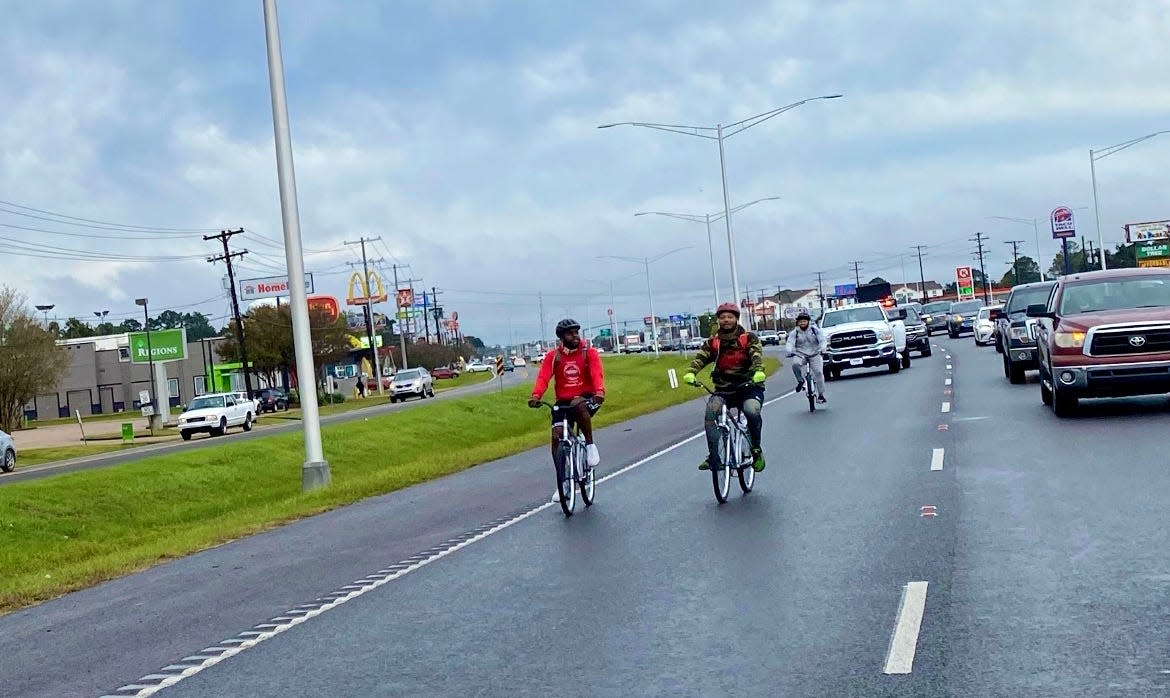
<point x="727" y="308"/>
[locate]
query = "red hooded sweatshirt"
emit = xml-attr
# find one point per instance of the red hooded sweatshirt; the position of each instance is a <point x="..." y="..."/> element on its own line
<point x="577" y="373"/>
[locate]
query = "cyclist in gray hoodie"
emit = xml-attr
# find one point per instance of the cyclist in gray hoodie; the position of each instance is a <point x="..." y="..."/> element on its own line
<point x="806" y="343"/>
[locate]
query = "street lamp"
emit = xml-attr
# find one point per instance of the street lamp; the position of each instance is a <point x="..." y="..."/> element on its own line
<point x="612" y="305"/>
<point x="707" y="218"/>
<point x="153" y="417"/>
<point x="101" y="315"/>
<point x="1094" y="156"/>
<point x="718" y="135"/>
<point x="45" y="309"/>
<point x="645" y="261"/>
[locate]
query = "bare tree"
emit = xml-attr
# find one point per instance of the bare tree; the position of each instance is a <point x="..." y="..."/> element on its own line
<point x="31" y="363"/>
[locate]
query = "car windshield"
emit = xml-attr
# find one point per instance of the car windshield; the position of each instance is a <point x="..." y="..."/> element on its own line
<point x="985" y="313"/>
<point x="940" y="307"/>
<point x="1116" y="294"/>
<point x="407" y="375"/>
<point x="1024" y="297"/>
<point x="965" y="307"/>
<point x="911" y="314"/>
<point x="841" y="317"/>
<point x="205" y="403"/>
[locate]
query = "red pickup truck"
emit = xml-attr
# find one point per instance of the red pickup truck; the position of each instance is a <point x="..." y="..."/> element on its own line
<point x="1104" y="334"/>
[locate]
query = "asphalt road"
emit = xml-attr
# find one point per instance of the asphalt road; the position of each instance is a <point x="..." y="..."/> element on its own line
<point x="1042" y="572"/>
<point x="264" y="427"/>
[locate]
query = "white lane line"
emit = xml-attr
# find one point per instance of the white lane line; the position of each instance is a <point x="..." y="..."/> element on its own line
<point x="250" y="638"/>
<point x="947" y="382"/>
<point x="949" y="367"/>
<point x="904" y="642"/>
<point x="946" y="407"/>
<point x="936" y="460"/>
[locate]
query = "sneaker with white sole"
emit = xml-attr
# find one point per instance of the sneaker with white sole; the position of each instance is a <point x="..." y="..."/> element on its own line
<point x="592" y="457"/>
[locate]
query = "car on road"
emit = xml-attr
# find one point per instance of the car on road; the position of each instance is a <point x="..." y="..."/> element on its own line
<point x="272" y="399"/>
<point x="935" y="316"/>
<point x="695" y="343"/>
<point x="242" y="398"/>
<point x="1017" y="332"/>
<point x="412" y="382"/>
<point x="7" y="452"/>
<point x="519" y="361"/>
<point x="917" y="338"/>
<point x="961" y="317"/>
<point x="984" y="327"/>
<point x="214" y="413"/>
<point x="479" y="367"/>
<point x="769" y="337"/>
<point x="861" y="336"/>
<point x="372" y="384"/>
<point x="1104" y="334"/>
<point x="633" y="348"/>
<point x="443" y="372"/>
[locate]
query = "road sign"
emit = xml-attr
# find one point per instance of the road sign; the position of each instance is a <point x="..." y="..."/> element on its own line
<point x="604" y="332"/>
<point x="845" y="290"/>
<point x="165" y="345"/>
<point x="1063" y="223"/>
<point x="965" y="283"/>
<point x="1142" y="232"/>
<point x="500" y="365"/>
<point x="1153" y="250"/>
<point x="676" y="319"/>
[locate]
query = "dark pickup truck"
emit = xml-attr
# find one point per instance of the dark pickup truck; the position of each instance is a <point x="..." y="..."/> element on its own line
<point x="1016" y="332"/>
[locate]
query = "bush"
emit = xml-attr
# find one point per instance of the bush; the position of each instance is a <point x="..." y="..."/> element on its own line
<point x="294" y="398"/>
<point x="330" y="398"/>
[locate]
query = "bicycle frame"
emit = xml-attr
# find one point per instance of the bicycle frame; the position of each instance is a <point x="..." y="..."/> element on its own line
<point x="571" y="469"/>
<point x="735" y="457"/>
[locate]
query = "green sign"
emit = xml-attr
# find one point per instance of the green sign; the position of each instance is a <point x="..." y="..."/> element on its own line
<point x="1153" y="250"/>
<point x="165" y="345"/>
<point x="127" y="432"/>
<point x="605" y="332"/>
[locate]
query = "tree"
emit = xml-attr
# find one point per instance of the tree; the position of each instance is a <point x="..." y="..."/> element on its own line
<point x="1124" y="257"/>
<point x="198" y="327"/>
<point x="1076" y="258"/>
<point x="31" y="362"/>
<point x="166" y="320"/>
<point x="1029" y="272"/>
<point x="269" y="340"/>
<point x="130" y="325"/>
<point x="473" y="341"/>
<point x="76" y="329"/>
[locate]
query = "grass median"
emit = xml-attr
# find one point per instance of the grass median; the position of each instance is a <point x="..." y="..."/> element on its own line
<point x="74" y="530"/>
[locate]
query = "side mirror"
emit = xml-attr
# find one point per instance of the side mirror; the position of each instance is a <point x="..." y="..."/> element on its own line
<point x="996" y="314"/>
<point x="1039" y="310"/>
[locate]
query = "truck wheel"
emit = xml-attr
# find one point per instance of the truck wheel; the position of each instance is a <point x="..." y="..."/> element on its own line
<point x="1045" y="391"/>
<point x="1064" y="404"/>
<point x="221" y="429"/>
<point x="906" y="359"/>
<point x="1013" y="371"/>
<point x="895" y="365"/>
<point x="248" y="422"/>
<point x="186" y="435"/>
<point x="927" y="350"/>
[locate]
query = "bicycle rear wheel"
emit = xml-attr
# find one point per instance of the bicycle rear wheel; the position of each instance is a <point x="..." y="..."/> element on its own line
<point x="747" y="474"/>
<point x="721" y="477"/>
<point x="566" y="476"/>
<point x="588" y="483"/>
<point x="808" y="388"/>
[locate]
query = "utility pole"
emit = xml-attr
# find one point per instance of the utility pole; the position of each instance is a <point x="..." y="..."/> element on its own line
<point x="227" y="257"/>
<point x="1087" y="255"/>
<point x="400" y="321"/>
<point x="437" y="310"/>
<point x="1015" y="259"/>
<point x="856" y="272"/>
<point x="821" y="290"/>
<point x="370" y="310"/>
<point x="921" y="274"/>
<point x="543" y="334"/>
<point x="978" y="240"/>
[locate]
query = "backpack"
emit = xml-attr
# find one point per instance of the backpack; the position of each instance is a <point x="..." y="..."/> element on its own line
<point x="743" y="343"/>
<point x="557" y="358"/>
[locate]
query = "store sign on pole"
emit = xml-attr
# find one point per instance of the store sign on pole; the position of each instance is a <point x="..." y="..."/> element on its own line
<point x="1063" y="223"/>
<point x="164" y="345"/>
<point x="270" y="287"/>
<point x="1145" y="232"/>
<point x="965" y="283"/>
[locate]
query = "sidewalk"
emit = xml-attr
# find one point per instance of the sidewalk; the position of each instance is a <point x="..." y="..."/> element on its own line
<point x="70" y="434"/>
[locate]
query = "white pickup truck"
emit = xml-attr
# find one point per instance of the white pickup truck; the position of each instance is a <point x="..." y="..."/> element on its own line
<point x="214" y="413"/>
<point x="861" y="336"/>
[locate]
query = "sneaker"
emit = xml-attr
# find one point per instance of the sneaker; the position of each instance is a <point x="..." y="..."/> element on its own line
<point x="800" y="386"/>
<point x="821" y="399"/>
<point x="556" y="498"/>
<point x="592" y="457"/>
<point x="758" y="459"/>
<point x="705" y="464"/>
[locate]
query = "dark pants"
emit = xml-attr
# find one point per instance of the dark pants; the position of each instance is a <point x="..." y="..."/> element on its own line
<point x="750" y="400"/>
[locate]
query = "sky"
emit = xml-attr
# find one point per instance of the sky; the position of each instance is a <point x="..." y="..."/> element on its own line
<point x="463" y="135"/>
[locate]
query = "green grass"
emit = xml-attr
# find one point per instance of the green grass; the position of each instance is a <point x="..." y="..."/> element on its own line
<point x="74" y="530"/>
<point x="37" y="456"/>
<point x="114" y="417"/>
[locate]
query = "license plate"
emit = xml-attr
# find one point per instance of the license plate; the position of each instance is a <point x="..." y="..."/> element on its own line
<point x="856" y="362"/>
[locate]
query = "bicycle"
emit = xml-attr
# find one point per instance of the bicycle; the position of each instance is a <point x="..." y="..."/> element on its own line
<point x="571" y="465"/>
<point x="733" y="440"/>
<point x="808" y="381"/>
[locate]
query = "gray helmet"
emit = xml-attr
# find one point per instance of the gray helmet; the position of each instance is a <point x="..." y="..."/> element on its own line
<point x="565" y="325"/>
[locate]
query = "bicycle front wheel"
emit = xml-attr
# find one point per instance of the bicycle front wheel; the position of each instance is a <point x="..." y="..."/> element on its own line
<point x="588" y="483"/>
<point x="566" y="477"/>
<point x="721" y="477"/>
<point x="808" y="388"/>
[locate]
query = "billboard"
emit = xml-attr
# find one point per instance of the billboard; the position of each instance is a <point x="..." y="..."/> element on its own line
<point x="163" y="345"/>
<point x="845" y="290"/>
<point x="1063" y="223"/>
<point x="1143" y="232"/>
<point x="269" y="287"/>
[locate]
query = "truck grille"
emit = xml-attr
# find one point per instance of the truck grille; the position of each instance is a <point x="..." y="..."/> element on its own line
<point x="848" y="340"/>
<point x="1136" y="340"/>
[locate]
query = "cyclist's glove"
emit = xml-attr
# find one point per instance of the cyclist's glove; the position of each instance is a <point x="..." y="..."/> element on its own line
<point x="759" y="377"/>
<point x="689" y="378"/>
<point x="533" y="403"/>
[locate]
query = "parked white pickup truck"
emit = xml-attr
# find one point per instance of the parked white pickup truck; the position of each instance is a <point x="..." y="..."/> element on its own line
<point x="214" y="413"/>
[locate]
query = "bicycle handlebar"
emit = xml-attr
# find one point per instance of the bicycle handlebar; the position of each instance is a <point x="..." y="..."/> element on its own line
<point x="701" y="384"/>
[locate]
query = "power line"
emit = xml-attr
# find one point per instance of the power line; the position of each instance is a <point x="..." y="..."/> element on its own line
<point x="226" y="257"/>
<point x="99" y="225"/>
<point x="978" y="240"/>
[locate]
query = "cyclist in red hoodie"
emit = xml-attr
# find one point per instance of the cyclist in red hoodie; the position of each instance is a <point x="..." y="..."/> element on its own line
<point x="580" y="385"/>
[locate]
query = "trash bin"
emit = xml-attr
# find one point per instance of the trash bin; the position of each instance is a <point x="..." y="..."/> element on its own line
<point x="127" y="432"/>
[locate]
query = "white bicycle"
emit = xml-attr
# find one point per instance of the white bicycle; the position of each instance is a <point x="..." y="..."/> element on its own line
<point x="572" y="471"/>
<point x="735" y="447"/>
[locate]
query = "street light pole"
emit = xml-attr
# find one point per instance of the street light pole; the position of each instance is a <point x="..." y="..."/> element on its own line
<point x="1094" y="156"/>
<point x="645" y="261"/>
<point x="153" y="418"/>
<point x="718" y="134"/>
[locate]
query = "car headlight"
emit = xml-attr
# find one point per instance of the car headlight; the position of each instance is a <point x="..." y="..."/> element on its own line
<point x="957" y="318"/>
<point x="885" y="336"/>
<point x="1069" y="340"/>
<point x="1020" y="333"/>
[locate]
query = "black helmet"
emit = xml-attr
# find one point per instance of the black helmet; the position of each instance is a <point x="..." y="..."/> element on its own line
<point x="803" y="316"/>
<point x="565" y="325"/>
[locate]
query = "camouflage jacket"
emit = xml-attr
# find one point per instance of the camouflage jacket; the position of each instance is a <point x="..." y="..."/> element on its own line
<point x="734" y="364"/>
